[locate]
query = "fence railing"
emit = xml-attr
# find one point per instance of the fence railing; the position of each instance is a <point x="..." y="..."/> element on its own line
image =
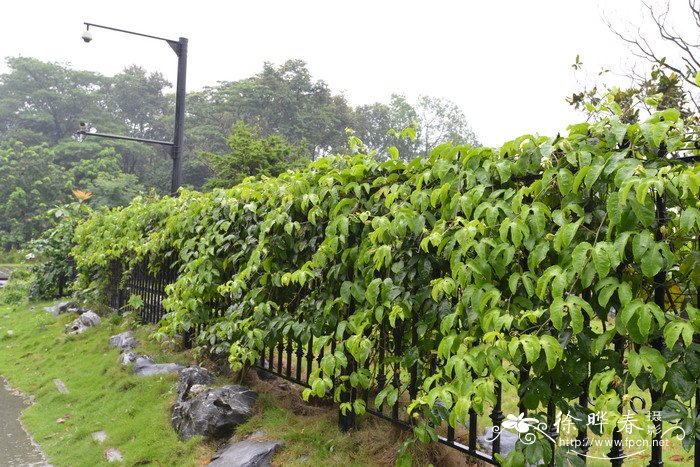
<point x="294" y="359"/>
<point x="148" y="286"/>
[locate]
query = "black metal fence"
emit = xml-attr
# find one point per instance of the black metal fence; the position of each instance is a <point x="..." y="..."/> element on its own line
<point x="140" y="282"/>
<point x="293" y="359"/>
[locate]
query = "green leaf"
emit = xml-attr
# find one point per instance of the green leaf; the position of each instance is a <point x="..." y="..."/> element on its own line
<point x="588" y="275"/>
<point x="681" y="381"/>
<point x="641" y="243"/>
<point x="602" y="341"/>
<point x="614" y="208"/>
<point x="605" y="289"/>
<point x="593" y="174"/>
<point x="644" y="318"/>
<point x="556" y="312"/>
<point x="691" y="267"/>
<point x="576" y="318"/>
<point x="531" y="346"/>
<point x="674" y="330"/>
<point x="563" y="238"/>
<point x="580" y="175"/>
<point x="689" y="219"/>
<point x="545" y="278"/>
<point x="629" y="311"/>
<point x="634" y="363"/>
<point x="579" y="256"/>
<point x="537" y="255"/>
<point x="565" y="180"/>
<point x="328" y="365"/>
<point x="513" y="282"/>
<point x="653" y="359"/>
<point x="552" y="350"/>
<point x="373" y="291"/>
<point x="624" y="293"/>
<point x="652" y="262"/>
<point x="644" y="213"/>
<point x="619" y="130"/>
<point x="673" y="410"/>
<point x="601" y="261"/>
<point x="382" y="257"/>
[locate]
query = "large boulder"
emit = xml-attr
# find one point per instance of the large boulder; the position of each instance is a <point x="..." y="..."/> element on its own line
<point x="247" y="454"/>
<point x="124" y="341"/>
<point x="214" y="413"/>
<point x="83" y="322"/>
<point x="144" y="366"/>
<point x="191" y="376"/>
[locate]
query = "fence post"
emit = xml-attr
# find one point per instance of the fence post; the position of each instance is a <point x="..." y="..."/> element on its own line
<point x="659" y="300"/>
<point x="347" y="420"/>
<point x="348" y="394"/>
<point x="616" y="451"/>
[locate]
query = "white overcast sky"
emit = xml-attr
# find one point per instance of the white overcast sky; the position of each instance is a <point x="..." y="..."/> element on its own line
<point x="506" y="63"/>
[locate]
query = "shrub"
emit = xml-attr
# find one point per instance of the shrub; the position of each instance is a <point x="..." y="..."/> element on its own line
<point x="504" y="265"/>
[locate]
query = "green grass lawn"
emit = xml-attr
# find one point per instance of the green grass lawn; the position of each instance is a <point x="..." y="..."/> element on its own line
<point x="135" y="411"/>
<point x="103" y="396"/>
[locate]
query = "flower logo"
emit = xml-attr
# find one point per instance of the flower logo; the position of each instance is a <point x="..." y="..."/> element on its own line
<point x="519" y="423"/>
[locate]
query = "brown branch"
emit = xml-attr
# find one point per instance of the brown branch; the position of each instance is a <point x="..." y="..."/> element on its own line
<point x="641" y="48"/>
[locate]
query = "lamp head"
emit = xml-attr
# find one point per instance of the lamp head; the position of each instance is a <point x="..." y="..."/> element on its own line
<point x="87" y="35"/>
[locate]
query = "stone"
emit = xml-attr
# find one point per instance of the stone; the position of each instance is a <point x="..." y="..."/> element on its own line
<point x="124" y="341"/>
<point x="70" y="306"/>
<point x="507" y="438"/>
<point x="264" y="375"/>
<point x="214" y="413"/>
<point x="128" y="357"/>
<point x="256" y="435"/>
<point x="63" y="307"/>
<point x="60" y="386"/>
<point x="143" y="360"/>
<point x="99" y="436"/>
<point x="144" y="366"/>
<point x="83" y="322"/>
<point x="113" y="455"/>
<point x="192" y="376"/>
<point x="196" y="390"/>
<point x="247" y="454"/>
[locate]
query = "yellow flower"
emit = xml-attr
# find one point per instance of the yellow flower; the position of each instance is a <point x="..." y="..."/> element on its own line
<point x="82" y="195"/>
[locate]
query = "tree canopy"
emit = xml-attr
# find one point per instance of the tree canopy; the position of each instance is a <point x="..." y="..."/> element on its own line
<point x="278" y="119"/>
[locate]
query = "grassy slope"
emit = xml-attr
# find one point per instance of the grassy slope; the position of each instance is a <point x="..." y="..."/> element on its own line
<point x="135" y="411"/>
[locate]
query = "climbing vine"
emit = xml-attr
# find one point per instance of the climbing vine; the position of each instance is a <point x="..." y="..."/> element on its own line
<point x="518" y="267"/>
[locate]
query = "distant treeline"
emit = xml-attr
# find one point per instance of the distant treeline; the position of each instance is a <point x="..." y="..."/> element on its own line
<point x="278" y="119"/>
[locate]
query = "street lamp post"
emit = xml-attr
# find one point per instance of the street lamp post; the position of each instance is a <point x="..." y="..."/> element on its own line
<point x="180" y="49"/>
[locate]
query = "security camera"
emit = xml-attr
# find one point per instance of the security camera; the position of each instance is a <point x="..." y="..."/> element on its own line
<point x="87" y="36"/>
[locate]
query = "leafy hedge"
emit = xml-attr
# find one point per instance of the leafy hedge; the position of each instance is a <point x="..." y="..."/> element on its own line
<point x="507" y="261"/>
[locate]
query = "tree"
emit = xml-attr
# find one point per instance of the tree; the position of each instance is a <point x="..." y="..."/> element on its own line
<point x="441" y="121"/>
<point x="111" y="190"/>
<point x="254" y="154"/>
<point x="31" y="184"/>
<point x="41" y="101"/>
<point x="138" y="101"/>
<point x="282" y="100"/>
<point x="434" y="120"/>
<point x="670" y="47"/>
<point x="678" y="56"/>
